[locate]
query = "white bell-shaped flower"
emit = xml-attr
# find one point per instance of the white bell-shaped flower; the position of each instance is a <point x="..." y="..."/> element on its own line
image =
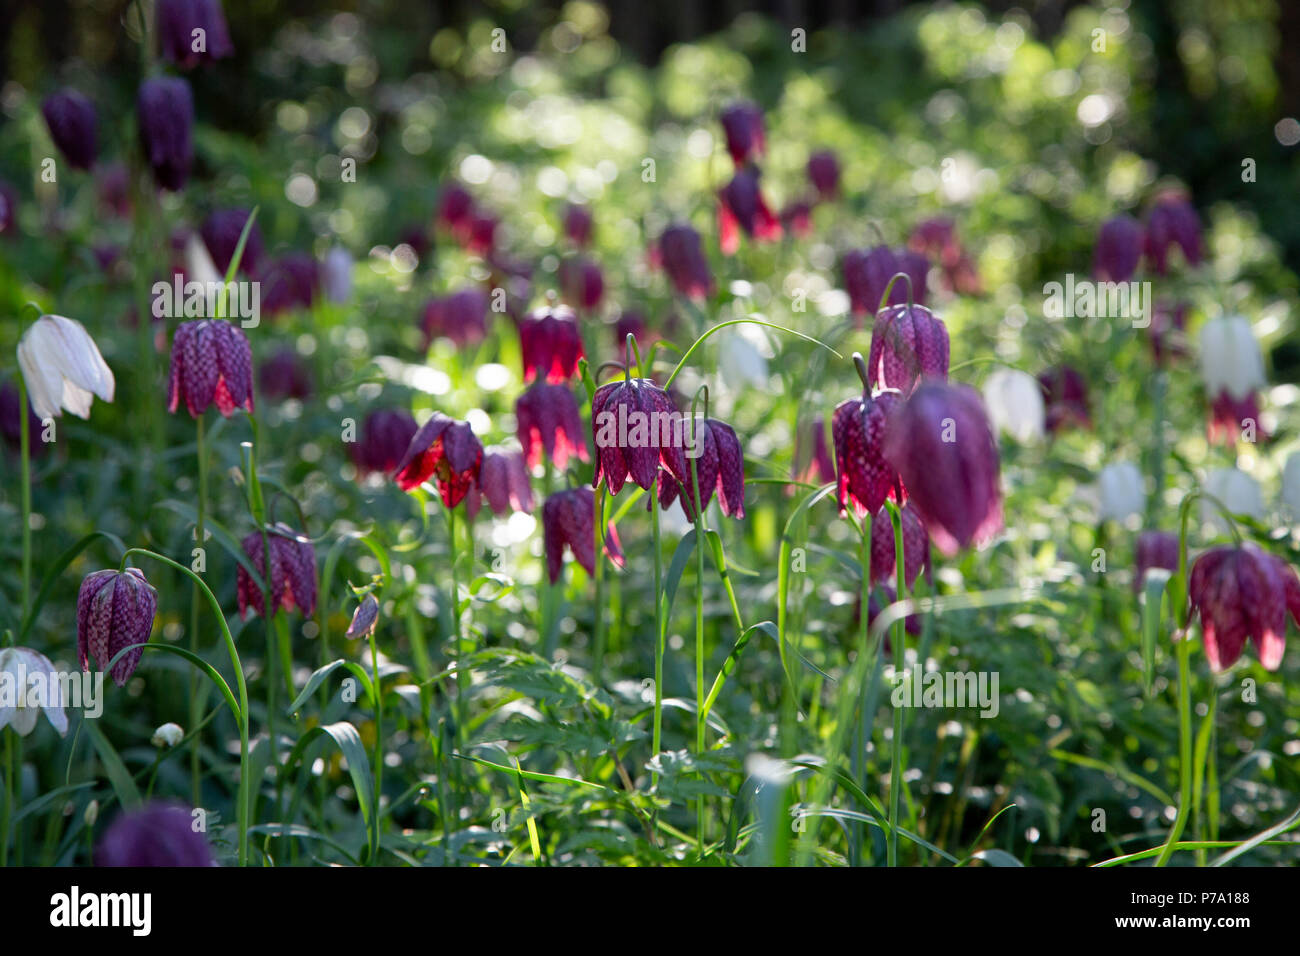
<point x="1015" y="404"/>
<point x="28" y="685"/>
<point x="1122" y="491"/>
<point x="336" y="274"/>
<point x="62" y="368"/>
<point x="741" y="358"/>
<point x="1230" y="358"/>
<point x="1291" y="485"/>
<point x="1238" y="492"/>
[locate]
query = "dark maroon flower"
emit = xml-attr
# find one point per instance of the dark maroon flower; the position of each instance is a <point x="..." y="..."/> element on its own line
<point x="71" y="119"/>
<point x="292" y="580"/>
<point x="284" y="375"/>
<point x="569" y="518"/>
<point x="908" y="345"/>
<point x="364" y="618"/>
<point x="460" y="316"/>
<point x="8" y="209"/>
<point x="445" y="450"/>
<point x="550" y="344"/>
<point x="942" y="444"/>
<point x="797" y="219"/>
<point x="157" y="834"/>
<point x="719" y="464"/>
<point x="289" y="282"/>
<point x="1119" y="247"/>
<point x="863" y="475"/>
<point x="1243" y="593"/>
<point x="577" y="224"/>
<point x="385" y="436"/>
<point x="165" y="111"/>
<point x="212" y="363"/>
<point x="912" y="623"/>
<point x="11" y="422"/>
<point x="193" y="32"/>
<point x="503" y="480"/>
<point x="1229" y="417"/>
<point x="916" y="546"/>
<point x="742" y="123"/>
<point x="550" y="423"/>
<point x="455" y="206"/>
<point x="115" y="609"/>
<point x="220" y="233"/>
<point x="632" y="322"/>
<point x="114" y="187"/>
<point x="1065" y="397"/>
<point x="824" y="174"/>
<point x="1168" y="331"/>
<point x="1155" y="549"/>
<point x="1172" y="221"/>
<point x="867" y="273"/>
<point x="741" y="204"/>
<point x="812" y="459"/>
<point x="482" y="231"/>
<point x="682" y="257"/>
<point x="582" y="283"/>
<point x="635" y="425"/>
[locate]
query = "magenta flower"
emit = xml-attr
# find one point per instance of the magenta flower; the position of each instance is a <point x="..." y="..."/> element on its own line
<point x="569" y="519"/>
<point x="741" y="205"/>
<point x="912" y="623"/>
<point x="113" y="187"/>
<point x="1243" y="593"/>
<point x="385" y="436"/>
<point x="942" y="444"/>
<point x="824" y="174"/>
<point x="863" y="475"/>
<point x="71" y="119"/>
<point x="157" y="834"/>
<point x="1065" y="398"/>
<point x="165" y="112"/>
<point x="1155" y="549"/>
<point x="455" y="206"/>
<point x="1229" y="417"/>
<point x="578" y="224"/>
<point x="550" y="344"/>
<point x="445" y="450"/>
<point x="177" y="21"/>
<point x="481" y="234"/>
<point x="796" y="218"/>
<point x="1168" y="331"/>
<point x="936" y="239"/>
<point x="582" y="283"/>
<point x="115" y="609"/>
<point x="719" y="464"/>
<point x="292" y="578"/>
<point x="682" y="257"/>
<point x="289" y="282"/>
<point x="867" y="273"/>
<point x="1171" y="222"/>
<point x="550" y="423"/>
<point x="1119" y="248"/>
<point x="284" y="375"/>
<point x="8" y="209"/>
<point x="632" y="422"/>
<point x="742" y="123"/>
<point x="502" y="480"/>
<point x="916" y="546"/>
<point x="908" y="345"/>
<point x="812" y="460"/>
<point x="220" y="233"/>
<point x="212" y="363"/>
<point x="461" y="316"/>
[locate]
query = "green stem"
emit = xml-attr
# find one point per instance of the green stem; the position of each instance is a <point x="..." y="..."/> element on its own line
<point x="1184" y="749"/>
<point x="659" y="634"/>
<point x="27" y="494"/>
<point x="196" y="704"/>
<point x="898" y="768"/>
<point x="462" y="677"/>
<point x="379" y="744"/>
<point x="7" y="811"/>
<point x="700" y="545"/>
<point x="858" y="763"/>
<point x="598" y="642"/>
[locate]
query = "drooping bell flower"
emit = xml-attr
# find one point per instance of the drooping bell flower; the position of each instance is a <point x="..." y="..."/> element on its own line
<point x="1118" y="250"/>
<point x="455" y="206"/>
<point x="682" y="256"/>
<point x="942" y="444"/>
<point x="812" y="459"/>
<point x="550" y="344"/>
<point x="62" y="368"/>
<point x="867" y="273"/>
<point x="741" y="206"/>
<point x="481" y="236"/>
<point x="289" y="282"/>
<point x="908" y="345"/>
<point x="445" y="450"/>
<point x="582" y="283"/>
<point x="364" y="618"/>
<point x="569" y="519"/>
<point x="212" y="363"/>
<point x="578" y="225"/>
<point x="741" y="361"/>
<point x="8" y="209"/>
<point x="916" y="546"/>
<point x="11" y="421"/>
<point x="1237" y="491"/>
<point x="1171" y="222"/>
<point x="824" y="174"/>
<point x="936" y="240"/>
<point x="73" y="126"/>
<point x="1154" y="549"/>
<point x="1167" y="331"/>
<point x="1243" y="593"/>
<point x="115" y="609"/>
<point x="460" y="316"/>
<point x="864" y="477"/>
<point x="284" y="375"/>
<point x="632" y="322"/>
<point x="550" y="424"/>
<point x="193" y="32"/>
<point x="292" y="578"/>
<point x="742" y="124"/>
<point x="385" y="436"/>
<point x="503" y="481"/>
<point x="1121" y="492"/>
<point x="165" y="110"/>
<point x="912" y="623"/>
<point x="1014" y="401"/>
<point x="633" y="425"/>
<point x="17" y="666"/>
<point x="796" y="219"/>
<point x="1233" y="369"/>
<point x="1065" y="395"/>
<point x="719" y="465"/>
<point x="221" y="232"/>
<point x="336" y="275"/>
<point x="159" y="833"/>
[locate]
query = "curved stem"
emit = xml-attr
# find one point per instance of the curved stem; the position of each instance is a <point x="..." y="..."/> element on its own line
<point x="659" y="634"/>
<point x="26" y="439"/>
<point x="195" y="703"/>
<point x="1184" y="750"/>
<point x="898" y="768"/>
